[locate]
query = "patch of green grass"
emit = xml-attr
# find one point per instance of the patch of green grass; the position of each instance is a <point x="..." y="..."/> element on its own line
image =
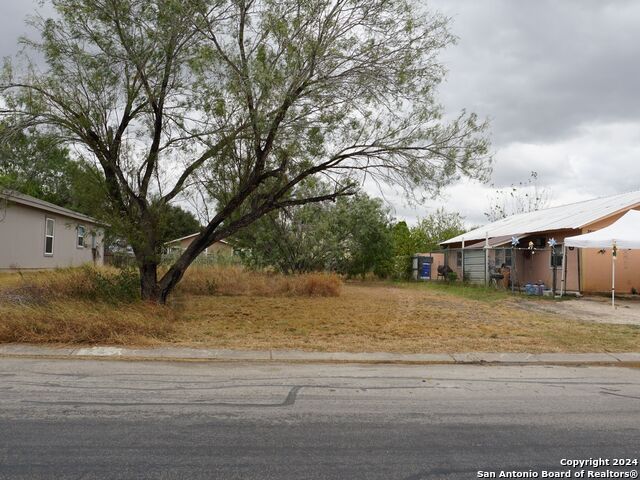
<point x="468" y="291"/>
<point x="480" y="293"/>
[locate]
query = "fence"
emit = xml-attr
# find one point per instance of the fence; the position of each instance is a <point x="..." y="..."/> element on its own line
<point x="122" y="260"/>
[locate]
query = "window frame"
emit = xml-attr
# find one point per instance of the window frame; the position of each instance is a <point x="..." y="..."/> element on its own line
<point x="508" y="252"/>
<point x="47" y="236"/>
<point x="559" y="253"/>
<point x="78" y="237"/>
<point x="459" y="259"/>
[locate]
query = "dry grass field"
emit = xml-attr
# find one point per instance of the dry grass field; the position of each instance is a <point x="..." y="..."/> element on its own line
<point x="231" y="308"/>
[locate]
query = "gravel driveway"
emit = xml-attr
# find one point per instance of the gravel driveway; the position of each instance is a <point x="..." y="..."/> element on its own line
<point x="591" y="309"/>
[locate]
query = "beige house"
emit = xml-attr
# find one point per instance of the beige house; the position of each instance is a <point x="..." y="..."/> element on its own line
<point x="219" y="248"/>
<point x="37" y="235"/>
<point x="475" y="254"/>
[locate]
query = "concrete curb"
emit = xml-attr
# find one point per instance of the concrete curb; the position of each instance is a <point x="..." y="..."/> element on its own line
<point x="297" y="356"/>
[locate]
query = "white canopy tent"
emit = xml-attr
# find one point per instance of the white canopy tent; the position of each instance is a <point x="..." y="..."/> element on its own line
<point x="624" y="233"/>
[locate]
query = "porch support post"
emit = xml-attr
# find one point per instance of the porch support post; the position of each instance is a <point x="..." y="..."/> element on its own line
<point x="486" y="259"/>
<point x="462" y="279"/>
<point x="564" y="270"/>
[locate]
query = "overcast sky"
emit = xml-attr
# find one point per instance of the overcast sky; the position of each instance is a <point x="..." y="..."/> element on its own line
<point x="558" y="80"/>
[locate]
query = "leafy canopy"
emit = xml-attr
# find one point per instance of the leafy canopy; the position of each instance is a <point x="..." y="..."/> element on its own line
<point x="236" y="103"/>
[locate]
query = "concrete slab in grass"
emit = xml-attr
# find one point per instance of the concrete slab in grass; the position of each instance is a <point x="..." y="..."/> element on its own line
<point x="35" y="350"/>
<point x="627" y="356"/>
<point x="174" y="353"/>
<point x="489" y="357"/>
<point x="559" y="358"/>
<point x="297" y="355"/>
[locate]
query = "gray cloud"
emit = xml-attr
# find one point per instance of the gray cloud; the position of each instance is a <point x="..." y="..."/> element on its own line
<point x="558" y="80"/>
<point x="12" y="23"/>
<point x="541" y="69"/>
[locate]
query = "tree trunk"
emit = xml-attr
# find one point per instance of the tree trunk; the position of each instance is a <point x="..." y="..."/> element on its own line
<point x="169" y="281"/>
<point x="149" y="288"/>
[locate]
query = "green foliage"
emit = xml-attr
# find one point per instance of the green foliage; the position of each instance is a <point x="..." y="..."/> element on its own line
<point x="452" y="277"/>
<point x="350" y="236"/>
<point x="422" y="238"/>
<point x="36" y="164"/>
<point x="238" y="103"/>
<point x="122" y="287"/>
<point x="176" y="222"/>
<point x="437" y="227"/>
<point x="85" y="283"/>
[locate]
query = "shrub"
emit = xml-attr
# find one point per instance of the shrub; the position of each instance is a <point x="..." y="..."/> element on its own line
<point x="82" y="321"/>
<point x="452" y="277"/>
<point x="86" y="283"/>
<point x="235" y="280"/>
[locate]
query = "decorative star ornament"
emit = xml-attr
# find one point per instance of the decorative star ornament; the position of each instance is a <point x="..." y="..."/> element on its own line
<point x="515" y="241"/>
<point x="552" y="242"/>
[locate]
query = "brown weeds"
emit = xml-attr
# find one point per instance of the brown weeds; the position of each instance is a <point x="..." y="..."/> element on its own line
<point x="77" y="321"/>
<point x="235" y="280"/>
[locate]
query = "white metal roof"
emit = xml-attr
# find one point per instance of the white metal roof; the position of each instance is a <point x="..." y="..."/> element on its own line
<point x="565" y="217"/>
<point x="192" y="236"/>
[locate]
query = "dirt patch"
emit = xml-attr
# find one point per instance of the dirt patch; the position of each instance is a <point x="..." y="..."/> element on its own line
<point x="589" y="309"/>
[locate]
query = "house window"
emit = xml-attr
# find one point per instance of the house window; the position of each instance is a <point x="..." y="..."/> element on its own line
<point x="459" y="259"/>
<point x="556" y="258"/>
<point x="48" y="236"/>
<point x="81" y="233"/>
<point x="503" y="257"/>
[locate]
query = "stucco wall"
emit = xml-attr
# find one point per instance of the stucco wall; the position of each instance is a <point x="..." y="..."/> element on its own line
<point x="532" y="268"/>
<point x="22" y="240"/>
<point x="438" y="260"/>
<point x="596" y="267"/>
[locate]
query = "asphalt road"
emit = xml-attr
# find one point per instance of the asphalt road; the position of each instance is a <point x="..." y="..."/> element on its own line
<point x="136" y="420"/>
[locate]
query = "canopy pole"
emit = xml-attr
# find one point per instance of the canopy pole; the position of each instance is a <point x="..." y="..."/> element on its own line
<point x="564" y="269"/>
<point x="613" y="276"/>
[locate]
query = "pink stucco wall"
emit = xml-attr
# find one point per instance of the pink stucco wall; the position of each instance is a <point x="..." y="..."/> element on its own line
<point x="596" y="271"/>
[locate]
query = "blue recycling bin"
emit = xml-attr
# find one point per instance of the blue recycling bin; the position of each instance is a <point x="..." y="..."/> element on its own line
<point x="425" y="271"/>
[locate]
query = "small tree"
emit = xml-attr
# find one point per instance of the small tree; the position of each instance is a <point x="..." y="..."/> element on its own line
<point x="36" y="164"/>
<point x="349" y="236"/>
<point x="424" y="237"/>
<point x="522" y="198"/>
<point x="437" y="227"/>
<point x="243" y="100"/>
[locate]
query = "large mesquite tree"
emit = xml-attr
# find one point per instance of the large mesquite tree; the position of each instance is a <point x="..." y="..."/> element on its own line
<point x="241" y="100"/>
